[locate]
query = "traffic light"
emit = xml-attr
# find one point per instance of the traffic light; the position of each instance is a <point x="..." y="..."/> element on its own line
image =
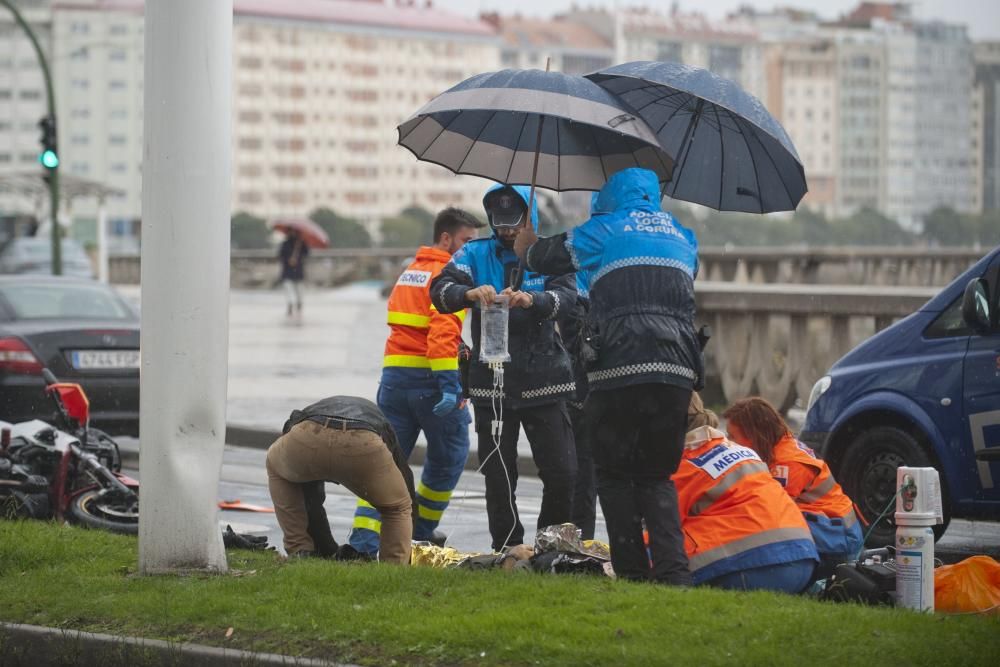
<point x="49" y="157"/>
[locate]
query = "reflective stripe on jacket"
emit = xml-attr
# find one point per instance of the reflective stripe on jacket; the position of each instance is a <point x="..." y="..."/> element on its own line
<point x="422" y="340"/>
<point x="734" y="515"/>
<point x="540" y="371"/>
<point x="809" y="482"/>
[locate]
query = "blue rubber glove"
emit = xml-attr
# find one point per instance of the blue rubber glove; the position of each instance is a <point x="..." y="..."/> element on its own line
<point x="446" y="404"/>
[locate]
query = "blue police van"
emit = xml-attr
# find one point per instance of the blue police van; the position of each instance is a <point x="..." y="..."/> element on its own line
<point x="922" y="392"/>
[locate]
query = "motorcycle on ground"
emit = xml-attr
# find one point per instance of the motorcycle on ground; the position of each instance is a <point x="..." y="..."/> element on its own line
<point x="69" y="471"/>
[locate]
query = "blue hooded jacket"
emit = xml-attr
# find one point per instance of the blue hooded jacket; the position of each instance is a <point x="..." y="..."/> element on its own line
<point x="641" y="265"/>
<point x="539" y="371"/>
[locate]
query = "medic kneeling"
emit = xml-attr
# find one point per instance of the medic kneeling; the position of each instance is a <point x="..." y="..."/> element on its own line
<point x="741" y="530"/>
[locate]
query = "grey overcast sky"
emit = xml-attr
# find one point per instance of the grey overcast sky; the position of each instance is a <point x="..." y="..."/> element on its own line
<point x="982" y="17"/>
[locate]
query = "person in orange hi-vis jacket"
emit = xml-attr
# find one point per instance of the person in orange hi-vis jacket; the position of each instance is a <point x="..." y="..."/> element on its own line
<point x="741" y="530"/>
<point x="420" y="389"/>
<point x="755" y="423"/>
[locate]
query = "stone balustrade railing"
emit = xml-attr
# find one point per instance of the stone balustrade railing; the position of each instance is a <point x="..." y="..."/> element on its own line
<point x="776" y="340"/>
<point x="769" y="339"/>
<point x="924" y="267"/>
<point x="883" y="266"/>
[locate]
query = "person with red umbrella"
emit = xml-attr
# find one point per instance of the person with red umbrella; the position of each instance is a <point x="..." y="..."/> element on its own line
<point x="301" y="235"/>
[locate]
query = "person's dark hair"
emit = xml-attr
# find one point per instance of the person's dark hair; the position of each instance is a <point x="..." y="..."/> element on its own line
<point x="761" y="424"/>
<point x="452" y="219"/>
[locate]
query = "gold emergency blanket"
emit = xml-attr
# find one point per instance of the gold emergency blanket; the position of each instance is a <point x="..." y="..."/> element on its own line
<point x="426" y="554"/>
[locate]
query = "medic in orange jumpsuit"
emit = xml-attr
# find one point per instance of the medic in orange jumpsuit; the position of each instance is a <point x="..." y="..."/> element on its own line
<point x="420" y="388"/>
<point x="741" y="531"/>
<point x="755" y="423"/>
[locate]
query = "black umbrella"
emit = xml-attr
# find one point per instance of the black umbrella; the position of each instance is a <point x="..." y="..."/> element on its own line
<point x="729" y="151"/>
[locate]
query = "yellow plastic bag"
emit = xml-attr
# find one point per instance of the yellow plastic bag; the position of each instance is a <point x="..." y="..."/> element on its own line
<point x="972" y="585"/>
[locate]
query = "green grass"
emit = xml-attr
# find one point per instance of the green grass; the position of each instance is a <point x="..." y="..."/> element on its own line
<point x="377" y="614"/>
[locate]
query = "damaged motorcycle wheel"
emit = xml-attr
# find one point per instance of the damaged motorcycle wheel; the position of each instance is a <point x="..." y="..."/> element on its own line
<point x="99" y="509"/>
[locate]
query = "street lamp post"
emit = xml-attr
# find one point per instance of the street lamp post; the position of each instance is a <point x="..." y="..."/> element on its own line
<point x="49" y="156"/>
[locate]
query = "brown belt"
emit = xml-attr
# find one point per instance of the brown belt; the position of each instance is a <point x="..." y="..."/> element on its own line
<point x="339" y="423"/>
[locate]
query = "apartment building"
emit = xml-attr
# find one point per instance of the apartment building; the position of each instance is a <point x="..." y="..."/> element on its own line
<point x="318" y="89"/>
<point x="927" y="105"/>
<point x="985" y="127"/>
<point x="97" y="60"/>
<point x="729" y="49"/>
<point x="803" y="92"/>
<point x="22" y="101"/>
<point x="569" y="46"/>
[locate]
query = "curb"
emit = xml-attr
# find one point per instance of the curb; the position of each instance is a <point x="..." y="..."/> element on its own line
<point x="255" y="438"/>
<point x="33" y="645"/>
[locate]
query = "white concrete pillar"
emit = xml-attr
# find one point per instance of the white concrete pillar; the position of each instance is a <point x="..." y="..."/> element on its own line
<point x="102" y="241"/>
<point x="185" y="282"/>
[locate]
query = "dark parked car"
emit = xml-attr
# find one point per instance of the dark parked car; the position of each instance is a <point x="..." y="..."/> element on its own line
<point x="33" y="254"/>
<point x="84" y="332"/>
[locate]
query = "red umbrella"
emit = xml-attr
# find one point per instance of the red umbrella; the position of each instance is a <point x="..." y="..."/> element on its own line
<point x="311" y="233"/>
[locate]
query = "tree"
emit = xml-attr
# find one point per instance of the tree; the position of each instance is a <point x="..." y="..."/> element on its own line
<point x="945" y="226"/>
<point x="343" y="232"/>
<point x="869" y="227"/>
<point x="249" y="232"/>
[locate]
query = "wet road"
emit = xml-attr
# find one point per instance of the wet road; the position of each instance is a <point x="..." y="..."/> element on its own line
<point x="243" y="478"/>
<point x="464" y="522"/>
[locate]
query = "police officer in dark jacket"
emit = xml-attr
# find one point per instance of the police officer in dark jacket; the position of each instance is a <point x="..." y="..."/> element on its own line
<point x="537" y="380"/>
<point x="346" y="440"/>
<point x="572" y="328"/>
<point x="641" y="265"/>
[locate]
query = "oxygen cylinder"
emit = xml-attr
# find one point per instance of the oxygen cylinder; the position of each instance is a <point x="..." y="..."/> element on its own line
<point x="918" y="507"/>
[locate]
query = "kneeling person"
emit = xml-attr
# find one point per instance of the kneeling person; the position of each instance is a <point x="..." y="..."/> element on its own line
<point x="741" y="530"/>
<point x="348" y="441"/>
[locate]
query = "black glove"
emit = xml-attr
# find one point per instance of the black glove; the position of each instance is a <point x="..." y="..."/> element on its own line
<point x="234" y="540"/>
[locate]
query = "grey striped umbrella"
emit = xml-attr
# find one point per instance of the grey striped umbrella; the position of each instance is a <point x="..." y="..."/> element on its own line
<point x="488" y="125"/>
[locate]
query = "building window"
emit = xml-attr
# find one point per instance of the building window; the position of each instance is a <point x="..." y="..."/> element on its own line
<point x="29" y="157"/>
<point x="118" y="114"/>
<point x="80" y="84"/>
<point x="4" y="158"/>
<point x="249" y="198"/>
<point x="116" y="139"/>
<point x="5" y="94"/>
<point x="726" y="61"/>
<point x="30" y="94"/>
<point x="366" y="95"/>
<point x="118" y="55"/>
<point x="80" y="113"/>
<point x="117" y="84"/>
<point x="250" y="143"/>
<point x="250" y="116"/>
<point x="118" y="29"/>
<point x="119" y="167"/>
<point x="79" y="140"/>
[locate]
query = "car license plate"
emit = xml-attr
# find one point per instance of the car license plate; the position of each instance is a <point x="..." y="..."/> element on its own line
<point x="102" y="359"/>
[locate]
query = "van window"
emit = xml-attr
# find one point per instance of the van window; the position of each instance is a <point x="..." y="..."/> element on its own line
<point x="949" y="323"/>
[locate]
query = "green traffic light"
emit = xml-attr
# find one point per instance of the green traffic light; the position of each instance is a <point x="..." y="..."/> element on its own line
<point x="49" y="159"/>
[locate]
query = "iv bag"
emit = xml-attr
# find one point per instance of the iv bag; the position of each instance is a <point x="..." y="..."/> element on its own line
<point x="493" y="332"/>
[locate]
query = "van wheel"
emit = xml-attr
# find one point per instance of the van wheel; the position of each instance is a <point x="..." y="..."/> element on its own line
<point x="868" y="476"/>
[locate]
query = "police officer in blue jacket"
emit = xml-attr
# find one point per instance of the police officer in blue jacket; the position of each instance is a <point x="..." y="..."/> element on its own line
<point x="645" y="362"/>
<point x="537" y="380"/>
